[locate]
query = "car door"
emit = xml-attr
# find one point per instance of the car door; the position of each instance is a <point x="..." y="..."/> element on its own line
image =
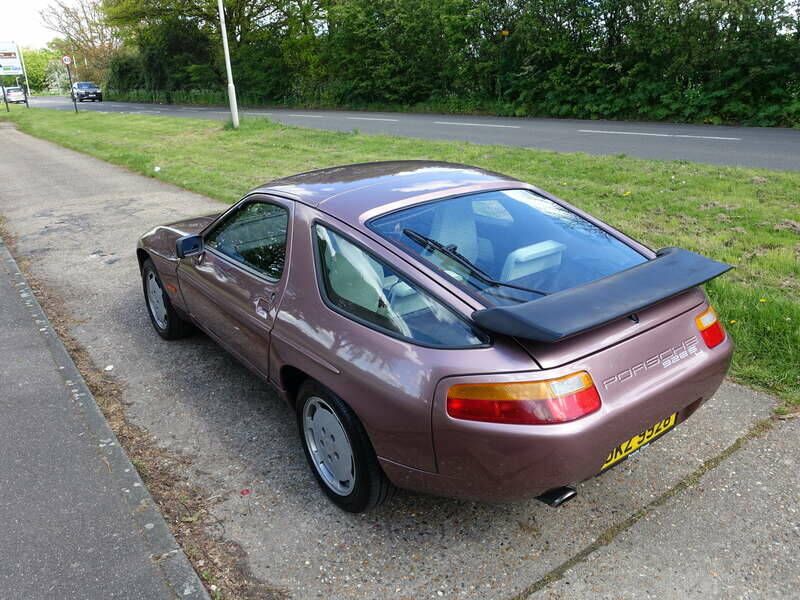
<point x="233" y="288"/>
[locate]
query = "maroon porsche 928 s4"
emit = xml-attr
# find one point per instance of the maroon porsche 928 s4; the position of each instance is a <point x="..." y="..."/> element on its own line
<point x="443" y="328"/>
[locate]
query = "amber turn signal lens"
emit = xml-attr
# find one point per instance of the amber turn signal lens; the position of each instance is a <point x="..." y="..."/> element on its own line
<point x="525" y="403"/>
<point x="710" y="328"/>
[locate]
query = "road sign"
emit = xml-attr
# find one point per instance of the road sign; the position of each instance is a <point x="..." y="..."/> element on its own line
<point x="67" y="62"/>
<point x="9" y="59"/>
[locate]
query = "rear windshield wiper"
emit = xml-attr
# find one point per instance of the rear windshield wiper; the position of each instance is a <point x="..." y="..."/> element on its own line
<point x="452" y="252"/>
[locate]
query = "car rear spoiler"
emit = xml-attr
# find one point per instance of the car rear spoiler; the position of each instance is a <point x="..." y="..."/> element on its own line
<point x="570" y="312"/>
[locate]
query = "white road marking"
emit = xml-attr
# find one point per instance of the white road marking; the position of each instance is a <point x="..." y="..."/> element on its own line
<point x="475" y="124"/>
<point x="372" y="119"/>
<point x="675" y="135"/>
<point x="308" y="116"/>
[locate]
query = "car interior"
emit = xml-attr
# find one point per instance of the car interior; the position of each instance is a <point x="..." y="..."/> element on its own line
<point x="372" y="291"/>
<point x="513" y="237"/>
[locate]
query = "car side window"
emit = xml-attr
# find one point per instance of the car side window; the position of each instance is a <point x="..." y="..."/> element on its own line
<point x="366" y="288"/>
<point x="255" y="236"/>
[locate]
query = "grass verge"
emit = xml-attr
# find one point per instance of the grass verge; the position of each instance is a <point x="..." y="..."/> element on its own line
<point x="747" y="217"/>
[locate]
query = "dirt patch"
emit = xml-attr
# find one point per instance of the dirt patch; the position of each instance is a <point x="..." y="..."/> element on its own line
<point x="219" y="563"/>
<point x="788" y="225"/>
<point x="722" y="205"/>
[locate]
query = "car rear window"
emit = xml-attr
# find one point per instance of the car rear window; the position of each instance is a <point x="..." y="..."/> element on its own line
<point x="513" y="245"/>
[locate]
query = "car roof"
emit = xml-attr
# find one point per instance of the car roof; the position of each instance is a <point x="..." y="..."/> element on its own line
<point x="351" y="191"/>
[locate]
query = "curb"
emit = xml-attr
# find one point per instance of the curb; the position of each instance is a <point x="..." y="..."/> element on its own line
<point x="165" y="553"/>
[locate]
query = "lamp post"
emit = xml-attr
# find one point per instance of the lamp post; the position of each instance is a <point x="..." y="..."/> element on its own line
<point x="231" y="88"/>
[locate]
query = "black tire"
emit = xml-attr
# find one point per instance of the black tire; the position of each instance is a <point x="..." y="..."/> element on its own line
<point x="174" y="326"/>
<point x="371" y="487"/>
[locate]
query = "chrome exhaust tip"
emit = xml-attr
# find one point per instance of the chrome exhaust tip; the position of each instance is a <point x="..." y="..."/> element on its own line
<point x="558" y="496"/>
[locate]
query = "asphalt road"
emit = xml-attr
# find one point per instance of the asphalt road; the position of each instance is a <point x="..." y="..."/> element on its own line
<point x="744" y="146"/>
<point x="196" y="400"/>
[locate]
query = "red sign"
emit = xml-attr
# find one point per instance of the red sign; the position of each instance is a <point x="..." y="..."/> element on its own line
<point x="66" y="60"/>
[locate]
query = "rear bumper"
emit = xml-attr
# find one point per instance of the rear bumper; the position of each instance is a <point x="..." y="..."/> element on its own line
<point x="494" y="463"/>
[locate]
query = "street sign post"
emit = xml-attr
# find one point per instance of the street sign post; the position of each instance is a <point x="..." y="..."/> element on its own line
<point x="9" y="64"/>
<point x="9" y="59"/>
<point x="25" y="71"/>
<point x="67" y="62"/>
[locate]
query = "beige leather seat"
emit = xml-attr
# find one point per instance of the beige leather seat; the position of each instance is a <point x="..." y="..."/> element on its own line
<point x="532" y="259"/>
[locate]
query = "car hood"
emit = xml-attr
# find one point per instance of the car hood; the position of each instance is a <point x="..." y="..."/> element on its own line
<point x="161" y="240"/>
<point x="193" y="225"/>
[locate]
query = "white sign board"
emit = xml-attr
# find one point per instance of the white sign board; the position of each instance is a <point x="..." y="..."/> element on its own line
<point x="66" y="60"/>
<point x="9" y="59"/>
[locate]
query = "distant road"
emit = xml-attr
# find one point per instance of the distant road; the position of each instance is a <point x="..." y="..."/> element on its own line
<point x="744" y="146"/>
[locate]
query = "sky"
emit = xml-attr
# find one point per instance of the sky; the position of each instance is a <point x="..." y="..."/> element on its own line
<point x="20" y="22"/>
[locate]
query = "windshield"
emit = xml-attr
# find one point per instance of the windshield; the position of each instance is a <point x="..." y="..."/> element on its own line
<point x="86" y="86"/>
<point x="13" y="89"/>
<point x="510" y="246"/>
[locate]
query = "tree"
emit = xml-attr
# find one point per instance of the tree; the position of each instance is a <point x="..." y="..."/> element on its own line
<point x="85" y="35"/>
<point x="36" y="67"/>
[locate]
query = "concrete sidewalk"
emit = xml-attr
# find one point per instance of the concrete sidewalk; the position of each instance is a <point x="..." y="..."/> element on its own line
<point x="736" y="534"/>
<point x="76" y="520"/>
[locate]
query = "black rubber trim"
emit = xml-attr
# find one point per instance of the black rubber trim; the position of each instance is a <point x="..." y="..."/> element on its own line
<point x="570" y="312"/>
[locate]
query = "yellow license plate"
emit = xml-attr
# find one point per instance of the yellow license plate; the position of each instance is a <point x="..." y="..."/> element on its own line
<point x="637" y="442"/>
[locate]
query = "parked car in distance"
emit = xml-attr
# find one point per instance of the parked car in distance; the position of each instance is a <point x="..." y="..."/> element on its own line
<point x="86" y="90"/>
<point x="15" y="94"/>
<point x="444" y="328"/>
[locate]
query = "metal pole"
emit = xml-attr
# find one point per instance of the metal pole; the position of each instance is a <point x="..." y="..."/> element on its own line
<point x="71" y="91"/>
<point x="2" y="87"/>
<point x="24" y="72"/>
<point x="231" y="88"/>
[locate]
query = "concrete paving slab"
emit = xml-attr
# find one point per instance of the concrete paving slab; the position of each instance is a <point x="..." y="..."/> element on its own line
<point x="68" y="494"/>
<point x="79" y="225"/>
<point x="736" y="534"/>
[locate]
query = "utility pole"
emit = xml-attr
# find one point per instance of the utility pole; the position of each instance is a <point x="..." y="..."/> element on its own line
<point x="231" y="88"/>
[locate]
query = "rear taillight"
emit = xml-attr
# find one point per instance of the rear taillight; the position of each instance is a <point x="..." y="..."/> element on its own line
<point x="710" y="328"/>
<point x="525" y="403"/>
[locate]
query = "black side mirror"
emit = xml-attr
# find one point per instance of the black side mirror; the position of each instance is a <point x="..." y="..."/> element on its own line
<point x="189" y="245"/>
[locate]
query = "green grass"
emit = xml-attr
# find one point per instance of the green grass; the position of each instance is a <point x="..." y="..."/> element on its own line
<point x="747" y="217"/>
